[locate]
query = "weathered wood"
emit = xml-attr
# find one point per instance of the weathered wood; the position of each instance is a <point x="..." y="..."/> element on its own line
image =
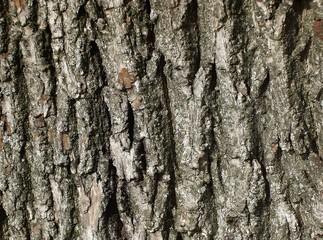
<point x="148" y="119"/>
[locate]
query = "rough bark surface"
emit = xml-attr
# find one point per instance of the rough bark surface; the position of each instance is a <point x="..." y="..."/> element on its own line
<point x="150" y="119"/>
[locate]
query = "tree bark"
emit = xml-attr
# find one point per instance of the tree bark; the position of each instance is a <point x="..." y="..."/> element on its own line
<point x="148" y="119"/>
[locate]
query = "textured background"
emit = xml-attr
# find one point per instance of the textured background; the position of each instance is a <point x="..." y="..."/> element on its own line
<point x="175" y="119"/>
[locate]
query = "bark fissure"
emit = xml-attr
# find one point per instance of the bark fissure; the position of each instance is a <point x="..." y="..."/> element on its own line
<point x="4" y="27"/>
<point x="3" y="222"/>
<point x="264" y="85"/>
<point x="111" y="217"/>
<point x="171" y="156"/>
<point x="131" y="124"/>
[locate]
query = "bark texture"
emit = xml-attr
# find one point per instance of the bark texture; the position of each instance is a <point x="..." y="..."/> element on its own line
<point x="150" y="119"/>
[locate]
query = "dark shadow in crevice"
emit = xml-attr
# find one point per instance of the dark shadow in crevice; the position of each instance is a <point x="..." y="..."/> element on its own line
<point x="126" y="2"/>
<point x="190" y="27"/>
<point x="130" y="124"/>
<point x="94" y="49"/>
<point x="303" y="55"/>
<point x="148" y="7"/>
<point x="213" y="78"/>
<point x="264" y="85"/>
<point x="300" y="6"/>
<point x="171" y="157"/>
<point x="111" y="216"/>
<point x="82" y="13"/>
<point x="141" y="160"/>
<point x="48" y="54"/>
<point x="3" y="221"/>
<point x="179" y="237"/>
<point x="33" y="19"/>
<point x="151" y="38"/>
<point x="97" y="63"/>
<point x="4" y="27"/>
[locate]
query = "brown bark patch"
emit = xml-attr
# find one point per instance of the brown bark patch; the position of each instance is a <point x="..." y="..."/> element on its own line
<point x="40" y="121"/>
<point x="202" y="162"/>
<point x="43" y="99"/>
<point x="318" y="28"/>
<point x="85" y="140"/>
<point x="274" y="147"/>
<point x="35" y="135"/>
<point x="136" y="103"/>
<point x="7" y="127"/>
<point x="19" y="3"/>
<point x="8" y="170"/>
<point x="66" y="143"/>
<point x="36" y="228"/>
<point x="51" y="134"/>
<point x="128" y="19"/>
<point x="316" y="159"/>
<point x="5" y="55"/>
<point x="126" y="79"/>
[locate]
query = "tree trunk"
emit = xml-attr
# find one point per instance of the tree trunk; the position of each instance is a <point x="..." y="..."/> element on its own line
<point x="150" y="119"/>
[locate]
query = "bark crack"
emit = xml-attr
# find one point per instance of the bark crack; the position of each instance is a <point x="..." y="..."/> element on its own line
<point x="171" y="158"/>
<point x="3" y="221"/>
<point x="111" y="217"/>
<point x="130" y="124"/>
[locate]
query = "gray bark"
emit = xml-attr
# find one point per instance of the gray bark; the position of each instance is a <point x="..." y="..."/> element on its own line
<point x="148" y="119"/>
